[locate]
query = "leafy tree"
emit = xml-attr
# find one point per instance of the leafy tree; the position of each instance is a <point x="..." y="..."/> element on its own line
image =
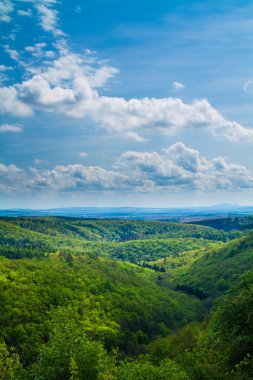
<point x="70" y="354"/>
<point x="10" y="367"/>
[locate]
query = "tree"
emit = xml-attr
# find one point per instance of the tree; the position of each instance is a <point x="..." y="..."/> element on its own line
<point x="9" y="363"/>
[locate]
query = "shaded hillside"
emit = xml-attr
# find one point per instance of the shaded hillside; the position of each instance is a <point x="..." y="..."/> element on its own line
<point x="237" y="223"/>
<point x="114" y="230"/>
<point x="120" y="303"/>
<point x="217" y="269"/>
<point x="75" y="305"/>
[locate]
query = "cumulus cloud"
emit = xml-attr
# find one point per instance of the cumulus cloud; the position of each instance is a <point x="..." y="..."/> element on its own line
<point x="37" y="49"/>
<point x="78" y="178"/>
<point x="49" y="19"/>
<point x="11" y="178"/>
<point x="6" y="7"/>
<point x="14" y="54"/>
<point x="178" y="168"/>
<point x="72" y="84"/>
<point x="182" y="167"/>
<point x="26" y="13"/>
<point x="247" y="85"/>
<point x="5" y="68"/>
<point x="10" y="128"/>
<point x="78" y="9"/>
<point x="39" y="161"/>
<point x="82" y="154"/>
<point x="178" y="85"/>
<point x="69" y="85"/>
<point x="3" y="73"/>
<point x="9" y="102"/>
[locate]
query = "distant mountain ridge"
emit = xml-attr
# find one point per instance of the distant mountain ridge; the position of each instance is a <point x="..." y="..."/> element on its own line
<point x="176" y="214"/>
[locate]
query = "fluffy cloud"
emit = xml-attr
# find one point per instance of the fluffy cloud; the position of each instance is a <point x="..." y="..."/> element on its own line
<point x="14" y="54"/>
<point x="49" y="19"/>
<point x="178" y="168"/>
<point x="178" y="85"/>
<point x="82" y="154"/>
<point x="79" y="178"/>
<point x="183" y="167"/>
<point x="37" y="50"/>
<point x="11" y="178"/>
<point x="26" y="13"/>
<point x="247" y="85"/>
<point x="6" y="7"/>
<point x="10" y="128"/>
<point x="38" y="161"/>
<point x="3" y="75"/>
<point x="9" y="102"/>
<point x="5" y="68"/>
<point x="70" y="85"/>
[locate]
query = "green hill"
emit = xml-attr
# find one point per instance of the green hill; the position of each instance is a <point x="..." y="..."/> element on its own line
<point x="217" y="269"/>
<point x="121" y="300"/>
<point x="114" y="230"/>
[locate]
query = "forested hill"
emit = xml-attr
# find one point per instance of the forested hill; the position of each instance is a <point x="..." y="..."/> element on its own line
<point x="114" y="230"/>
<point x="215" y="271"/>
<point x="228" y="224"/>
<point x="118" y="299"/>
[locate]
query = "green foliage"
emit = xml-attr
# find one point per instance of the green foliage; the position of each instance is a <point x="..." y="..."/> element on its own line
<point x="142" y="369"/>
<point x="120" y="303"/>
<point x="70" y="354"/>
<point x="40" y="237"/>
<point x="74" y="308"/>
<point x="237" y="223"/>
<point x="113" y="230"/>
<point x="218" y="268"/>
<point x="139" y="251"/>
<point x="221" y="348"/>
<point x="175" y="344"/>
<point x="230" y="330"/>
<point x="10" y="367"/>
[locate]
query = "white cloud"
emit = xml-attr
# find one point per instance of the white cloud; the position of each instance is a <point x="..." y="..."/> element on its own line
<point x="40" y="162"/>
<point x="37" y="49"/>
<point x="49" y="18"/>
<point x="3" y="75"/>
<point x="178" y="85"/>
<point x="9" y="103"/>
<point x="37" y="92"/>
<point x="71" y="85"/>
<point x="177" y="169"/>
<point x="181" y="167"/>
<point x="247" y="85"/>
<point x="6" y="7"/>
<point x="26" y="13"/>
<point x="77" y="178"/>
<point x="82" y="154"/>
<point x="5" y="68"/>
<point x="78" y="9"/>
<point x="10" y="128"/>
<point x="11" y="178"/>
<point x="8" y="170"/>
<point x="14" y="54"/>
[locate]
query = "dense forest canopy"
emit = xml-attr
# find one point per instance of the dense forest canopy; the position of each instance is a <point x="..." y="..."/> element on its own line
<point x="121" y="299"/>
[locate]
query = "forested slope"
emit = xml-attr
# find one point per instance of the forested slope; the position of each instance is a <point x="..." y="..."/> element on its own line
<point x="114" y="230"/>
<point x="218" y="268"/>
<point x="112" y="299"/>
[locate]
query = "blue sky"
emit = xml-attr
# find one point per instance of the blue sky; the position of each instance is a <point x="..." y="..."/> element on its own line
<point x="116" y="102"/>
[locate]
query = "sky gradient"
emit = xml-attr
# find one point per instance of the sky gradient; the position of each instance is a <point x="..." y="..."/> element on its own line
<point x="119" y="103"/>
